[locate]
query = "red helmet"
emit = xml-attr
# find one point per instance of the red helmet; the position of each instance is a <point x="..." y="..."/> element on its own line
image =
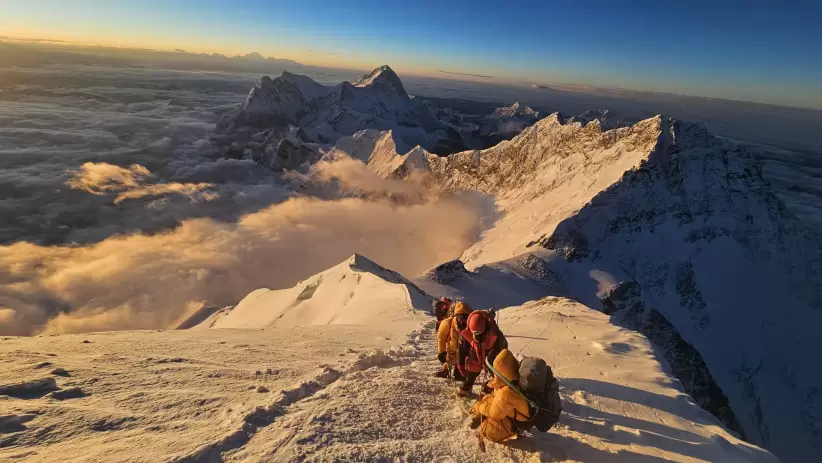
<point x="445" y="300"/>
<point x="477" y="323"/>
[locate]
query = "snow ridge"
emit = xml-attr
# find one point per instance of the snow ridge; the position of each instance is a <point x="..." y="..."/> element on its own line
<point x="689" y="219"/>
<point x="357" y="291"/>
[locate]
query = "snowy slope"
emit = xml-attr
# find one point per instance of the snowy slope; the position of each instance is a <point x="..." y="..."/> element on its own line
<point x="172" y="396"/>
<point x="340" y="393"/>
<point x="543" y="176"/>
<point x="501" y="284"/>
<point x="683" y="224"/>
<point x="620" y="402"/>
<point x="357" y="291"/>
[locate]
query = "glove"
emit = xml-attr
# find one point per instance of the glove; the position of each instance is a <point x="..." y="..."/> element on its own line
<point x="441" y="357"/>
<point x="476" y="420"/>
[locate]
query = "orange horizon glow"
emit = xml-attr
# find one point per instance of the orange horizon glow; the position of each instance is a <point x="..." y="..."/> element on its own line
<point x="316" y="58"/>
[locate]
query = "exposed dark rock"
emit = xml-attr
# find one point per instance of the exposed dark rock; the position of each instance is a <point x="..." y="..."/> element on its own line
<point x="625" y="297"/>
<point x="539" y="270"/>
<point x="308" y="292"/>
<point x="689" y="294"/>
<point x="746" y="375"/>
<point x="448" y="272"/>
<point x="571" y="244"/>
<point x="707" y="234"/>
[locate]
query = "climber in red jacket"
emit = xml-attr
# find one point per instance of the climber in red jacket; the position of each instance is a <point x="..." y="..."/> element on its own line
<point x="481" y="339"/>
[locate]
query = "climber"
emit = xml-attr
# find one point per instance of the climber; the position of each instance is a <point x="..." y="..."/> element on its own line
<point x="494" y="414"/>
<point x="448" y="340"/>
<point x="442" y="309"/>
<point x="481" y="339"/>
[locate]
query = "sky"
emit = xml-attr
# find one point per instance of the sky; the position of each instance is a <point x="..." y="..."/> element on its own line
<point x="769" y="52"/>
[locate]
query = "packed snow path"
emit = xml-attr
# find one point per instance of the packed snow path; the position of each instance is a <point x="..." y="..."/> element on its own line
<point x="339" y="393"/>
<point x="400" y="412"/>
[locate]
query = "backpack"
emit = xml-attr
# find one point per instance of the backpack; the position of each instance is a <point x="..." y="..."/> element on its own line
<point x="537" y="383"/>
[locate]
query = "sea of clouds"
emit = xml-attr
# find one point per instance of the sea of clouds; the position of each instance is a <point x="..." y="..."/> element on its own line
<point x="117" y="212"/>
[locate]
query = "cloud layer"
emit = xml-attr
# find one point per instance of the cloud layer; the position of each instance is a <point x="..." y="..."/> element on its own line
<point x="150" y="281"/>
<point x="119" y="213"/>
<point x="132" y="183"/>
<point x="53" y="121"/>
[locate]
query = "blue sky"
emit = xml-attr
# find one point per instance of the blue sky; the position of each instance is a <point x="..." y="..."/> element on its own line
<point x="758" y="51"/>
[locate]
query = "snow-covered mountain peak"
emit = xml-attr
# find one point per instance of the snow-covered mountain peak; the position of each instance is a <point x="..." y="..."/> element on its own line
<point x="327" y="114"/>
<point x="253" y="55"/>
<point x="360" y="263"/>
<point x="382" y="77"/>
<point x="606" y="118"/>
<point x="516" y="110"/>
<point x="506" y="122"/>
<point x="271" y="102"/>
<point x="356" y="291"/>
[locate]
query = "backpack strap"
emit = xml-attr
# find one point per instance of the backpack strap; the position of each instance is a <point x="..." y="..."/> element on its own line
<point x="499" y="375"/>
